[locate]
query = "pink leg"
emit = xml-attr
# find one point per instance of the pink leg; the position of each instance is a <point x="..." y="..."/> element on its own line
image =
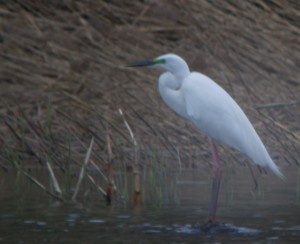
<point x="216" y="171"/>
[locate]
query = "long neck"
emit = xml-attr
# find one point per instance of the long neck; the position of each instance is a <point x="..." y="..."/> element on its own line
<point x="168" y="80"/>
<point x="181" y="72"/>
<point x="169" y="85"/>
<point x="169" y="89"/>
<point x="174" y="78"/>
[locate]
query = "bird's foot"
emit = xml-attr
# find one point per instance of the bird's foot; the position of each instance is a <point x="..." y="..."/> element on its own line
<point x="213" y="227"/>
<point x="210" y="226"/>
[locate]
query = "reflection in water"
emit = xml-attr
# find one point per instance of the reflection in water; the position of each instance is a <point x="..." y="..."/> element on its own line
<point x="268" y="213"/>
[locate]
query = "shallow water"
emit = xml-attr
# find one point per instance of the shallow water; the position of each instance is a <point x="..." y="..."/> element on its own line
<point x="269" y="214"/>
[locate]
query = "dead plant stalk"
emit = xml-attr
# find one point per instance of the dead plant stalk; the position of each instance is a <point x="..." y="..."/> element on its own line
<point x="82" y="171"/>
<point x="136" y="171"/>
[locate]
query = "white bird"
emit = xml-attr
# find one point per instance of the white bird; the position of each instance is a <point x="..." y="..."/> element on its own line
<point x="199" y="99"/>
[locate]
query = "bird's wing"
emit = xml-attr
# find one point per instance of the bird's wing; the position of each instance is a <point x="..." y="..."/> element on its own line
<point x="212" y="110"/>
<point x="218" y="116"/>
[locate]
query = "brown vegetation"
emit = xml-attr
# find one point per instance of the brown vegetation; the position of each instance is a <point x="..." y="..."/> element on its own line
<point x="63" y="77"/>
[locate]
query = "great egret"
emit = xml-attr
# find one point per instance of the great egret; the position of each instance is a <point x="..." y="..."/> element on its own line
<point x="199" y="99"/>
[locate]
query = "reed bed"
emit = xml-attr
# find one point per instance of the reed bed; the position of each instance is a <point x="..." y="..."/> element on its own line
<point x="63" y="80"/>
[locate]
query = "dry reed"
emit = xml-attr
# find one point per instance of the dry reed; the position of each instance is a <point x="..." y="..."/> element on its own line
<point x="72" y="54"/>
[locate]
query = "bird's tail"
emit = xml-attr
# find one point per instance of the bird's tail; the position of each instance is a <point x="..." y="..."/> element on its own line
<point x="259" y="154"/>
<point x="275" y="169"/>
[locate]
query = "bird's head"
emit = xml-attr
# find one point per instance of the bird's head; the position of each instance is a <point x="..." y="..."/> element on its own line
<point x="170" y="62"/>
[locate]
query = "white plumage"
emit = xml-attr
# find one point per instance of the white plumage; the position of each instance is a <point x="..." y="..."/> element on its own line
<point x="199" y="99"/>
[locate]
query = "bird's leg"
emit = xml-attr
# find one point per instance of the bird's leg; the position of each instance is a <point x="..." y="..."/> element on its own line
<point x="216" y="171"/>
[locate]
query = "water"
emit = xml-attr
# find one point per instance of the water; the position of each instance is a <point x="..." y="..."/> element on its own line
<point x="269" y="214"/>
